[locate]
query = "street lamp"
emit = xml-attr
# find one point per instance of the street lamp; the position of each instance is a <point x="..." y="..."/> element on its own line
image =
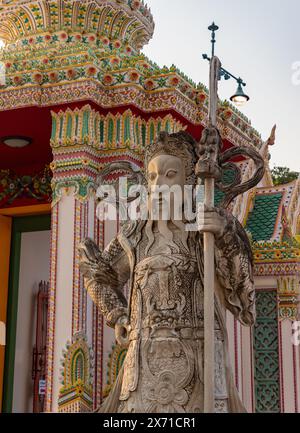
<point x="209" y="169"/>
<point x="240" y="97"/>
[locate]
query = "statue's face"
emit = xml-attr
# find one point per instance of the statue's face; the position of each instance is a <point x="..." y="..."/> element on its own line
<point x="165" y="172"/>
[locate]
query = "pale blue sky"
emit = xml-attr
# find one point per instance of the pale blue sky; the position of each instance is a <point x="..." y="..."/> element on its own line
<point x="258" y="40"/>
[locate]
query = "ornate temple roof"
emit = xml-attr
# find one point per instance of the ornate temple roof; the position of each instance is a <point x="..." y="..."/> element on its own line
<point x="61" y="52"/>
<point x="126" y="21"/>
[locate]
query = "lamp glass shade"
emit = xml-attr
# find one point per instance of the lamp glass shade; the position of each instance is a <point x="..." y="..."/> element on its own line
<point x="239" y="98"/>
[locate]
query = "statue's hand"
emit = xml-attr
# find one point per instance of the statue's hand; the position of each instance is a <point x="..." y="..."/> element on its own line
<point x="211" y="220"/>
<point x="122" y="329"/>
<point x="93" y="266"/>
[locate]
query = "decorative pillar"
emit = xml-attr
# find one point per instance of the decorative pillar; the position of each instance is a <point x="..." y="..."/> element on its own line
<point x="75" y="169"/>
<point x="288" y="299"/>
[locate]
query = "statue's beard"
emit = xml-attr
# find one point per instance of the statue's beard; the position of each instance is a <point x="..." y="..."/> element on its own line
<point x="164" y="230"/>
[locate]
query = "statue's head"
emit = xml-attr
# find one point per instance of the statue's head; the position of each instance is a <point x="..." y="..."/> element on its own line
<point x="171" y="160"/>
<point x="170" y="164"/>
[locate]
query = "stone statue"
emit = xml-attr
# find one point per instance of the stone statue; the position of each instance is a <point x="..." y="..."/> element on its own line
<point x="162" y="321"/>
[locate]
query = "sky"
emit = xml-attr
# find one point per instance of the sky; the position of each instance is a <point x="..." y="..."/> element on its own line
<point x="258" y="40"/>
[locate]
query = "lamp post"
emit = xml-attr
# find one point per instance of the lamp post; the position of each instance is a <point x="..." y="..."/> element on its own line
<point x="239" y="98"/>
<point x="209" y="176"/>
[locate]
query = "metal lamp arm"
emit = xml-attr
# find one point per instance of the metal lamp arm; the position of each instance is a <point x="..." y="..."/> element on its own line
<point x="226" y="73"/>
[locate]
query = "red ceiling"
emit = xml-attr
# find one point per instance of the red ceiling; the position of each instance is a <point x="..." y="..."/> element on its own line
<point x="32" y="122"/>
<point x="35" y="123"/>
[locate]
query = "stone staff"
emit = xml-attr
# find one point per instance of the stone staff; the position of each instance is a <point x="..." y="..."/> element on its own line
<point x="209" y="171"/>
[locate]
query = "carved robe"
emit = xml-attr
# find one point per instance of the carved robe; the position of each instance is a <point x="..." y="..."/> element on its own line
<point x="163" y="369"/>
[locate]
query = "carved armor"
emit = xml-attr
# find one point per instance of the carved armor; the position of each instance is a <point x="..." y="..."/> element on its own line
<point x="163" y="369"/>
<point x="166" y="336"/>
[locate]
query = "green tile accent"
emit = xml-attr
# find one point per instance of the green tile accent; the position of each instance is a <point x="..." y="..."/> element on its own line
<point x="262" y="219"/>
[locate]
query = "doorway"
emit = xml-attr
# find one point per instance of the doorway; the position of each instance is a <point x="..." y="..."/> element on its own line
<point x="29" y="264"/>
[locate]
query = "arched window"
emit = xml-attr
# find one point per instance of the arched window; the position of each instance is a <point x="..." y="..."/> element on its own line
<point x="78" y="367"/>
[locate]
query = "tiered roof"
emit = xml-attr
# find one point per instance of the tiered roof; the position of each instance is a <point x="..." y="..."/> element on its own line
<point x="89" y="50"/>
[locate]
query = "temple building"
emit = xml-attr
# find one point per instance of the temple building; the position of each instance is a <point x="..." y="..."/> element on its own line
<point x="77" y="93"/>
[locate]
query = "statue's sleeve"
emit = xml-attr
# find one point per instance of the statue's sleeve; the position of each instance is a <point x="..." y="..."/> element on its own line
<point x="234" y="267"/>
<point x="105" y="274"/>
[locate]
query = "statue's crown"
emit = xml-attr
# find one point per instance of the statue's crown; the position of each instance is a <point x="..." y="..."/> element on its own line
<point x="180" y="144"/>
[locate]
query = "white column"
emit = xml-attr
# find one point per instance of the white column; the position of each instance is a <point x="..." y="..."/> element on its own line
<point x="61" y="294"/>
<point x="288" y="368"/>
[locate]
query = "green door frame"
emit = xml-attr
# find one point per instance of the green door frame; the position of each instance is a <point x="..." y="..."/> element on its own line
<point x="20" y="225"/>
